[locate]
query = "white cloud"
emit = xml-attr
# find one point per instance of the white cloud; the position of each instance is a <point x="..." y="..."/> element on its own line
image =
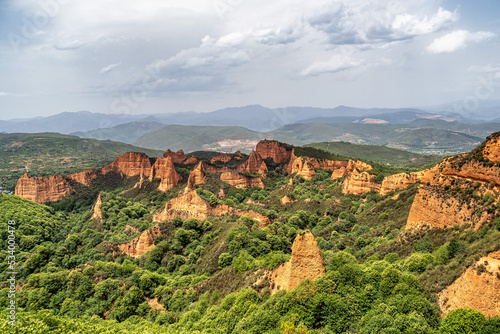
<point x="4" y="94"/>
<point x="109" y="68"/>
<point x="457" y="40"/>
<point x="337" y="63"/>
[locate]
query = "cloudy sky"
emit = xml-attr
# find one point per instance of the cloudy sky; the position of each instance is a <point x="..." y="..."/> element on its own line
<point x="150" y="56"/>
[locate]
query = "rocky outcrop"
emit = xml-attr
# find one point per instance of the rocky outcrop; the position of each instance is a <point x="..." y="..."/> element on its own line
<point x="225" y="158"/>
<point x="491" y="150"/>
<point x="285" y="200"/>
<point x="358" y="183"/>
<point x="303" y="167"/>
<point x="253" y="165"/>
<point x="85" y="177"/>
<point x="179" y="157"/>
<point x="164" y="170"/>
<point x="343" y="168"/>
<point x="274" y="150"/>
<point x="399" y="181"/>
<point x="239" y="180"/>
<point x="130" y="164"/>
<point x="478" y="288"/>
<point x="144" y="243"/>
<point x="191" y="205"/>
<point x="97" y="214"/>
<point x="435" y="207"/>
<point x="306" y="263"/>
<point x="43" y="189"/>
<point x="197" y="175"/>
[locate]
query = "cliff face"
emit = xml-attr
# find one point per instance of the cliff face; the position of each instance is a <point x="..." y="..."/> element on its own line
<point x="358" y="183"/>
<point x="306" y="263"/>
<point x="164" y="170"/>
<point x="398" y="182"/>
<point x="491" y="150"/>
<point x="273" y="149"/>
<point x="197" y="176"/>
<point x="342" y="168"/>
<point x="43" y="189"/>
<point x="179" y="157"/>
<point x="241" y="181"/>
<point x="302" y="167"/>
<point x="437" y="208"/>
<point x="191" y="205"/>
<point x="253" y="165"/>
<point x="142" y="244"/>
<point x="477" y="289"/>
<point x="97" y="215"/>
<point x="85" y="177"/>
<point x="130" y="164"/>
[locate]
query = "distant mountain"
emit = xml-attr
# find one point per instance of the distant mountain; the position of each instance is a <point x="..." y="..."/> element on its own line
<point x="195" y="138"/>
<point x="479" y="130"/>
<point x="253" y="117"/>
<point x="125" y="133"/>
<point x="67" y="122"/>
<point x="485" y="110"/>
<point x="43" y="154"/>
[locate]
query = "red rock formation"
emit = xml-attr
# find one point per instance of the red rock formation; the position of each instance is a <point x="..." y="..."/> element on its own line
<point x="302" y="167"/>
<point x="164" y="170"/>
<point x="179" y="157"/>
<point x="253" y="165"/>
<point x="306" y="263"/>
<point x="225" y="158"/>
<point x="239" y="180"/>
<point x="130" y="164"/>
<point x="142" y="244"/>
<point x="359" y="183"/>
<point x="491" y="149"/>
<point x="85" y="177"/>
<point x="43" y="189"/>
<point x="477" y="289"/>
<point x="191" y="205"/>
<point x="97" y="215"/>
<point x="197" y="175"/>
<point x="273" y="149"/>
<point x="343" y="168"/>
<point x="285" y="200"/>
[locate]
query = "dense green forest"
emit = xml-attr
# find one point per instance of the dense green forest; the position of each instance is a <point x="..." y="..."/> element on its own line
<point x="202" y="275"/>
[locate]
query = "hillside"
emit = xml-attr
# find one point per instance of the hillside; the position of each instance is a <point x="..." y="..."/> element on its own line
<point x="380" y="154"/>
<point x="284" y="240"/>
<point x="195" y="138"/>
<point x="45" y="154"/>
<point x="125" y="133"/>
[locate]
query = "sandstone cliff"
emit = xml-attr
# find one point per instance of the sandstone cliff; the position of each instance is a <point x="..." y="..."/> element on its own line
<point x="97" y="214"/>
<point x="303" y="167"/>
<point x="130" y="164"/>
<point x="343" y="168"/>
<point x="358" y="183"/>
<point x="197" y="175"/>
<point x="43" y="189"/>
<point x="253" y="165"/>
<point x="85" y="177"/>
<point x="275" y="150"/>
<point x="478" y="288"/>
<point x="306" y="263"/>
<point x="191" y="205"/>
<point x="239" y="180"/>
<point x="399" y="181"/>
<point x="142" y="244"/>
<point x="164" y="170"/>
<point x="179" y="157"/>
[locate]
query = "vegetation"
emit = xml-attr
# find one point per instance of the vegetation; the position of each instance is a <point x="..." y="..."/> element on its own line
<point x="207" y="275"/>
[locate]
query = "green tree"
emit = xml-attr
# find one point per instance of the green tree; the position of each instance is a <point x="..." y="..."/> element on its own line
<point x="463" y="321"/>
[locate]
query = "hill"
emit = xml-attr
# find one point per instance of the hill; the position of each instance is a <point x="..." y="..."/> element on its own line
<point x="45" y="154"/>
<point x="379" y="154"/>
<point x="285" y="240"/>
<point x="195" y="138"/>
<point x="125" y="133"/>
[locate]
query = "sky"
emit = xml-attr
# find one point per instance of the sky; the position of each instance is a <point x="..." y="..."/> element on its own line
<point x="159" y="56"/>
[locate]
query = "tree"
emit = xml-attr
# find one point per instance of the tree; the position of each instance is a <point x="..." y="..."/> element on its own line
<point x="225" y="259"/>
<point x="463" y="321"/>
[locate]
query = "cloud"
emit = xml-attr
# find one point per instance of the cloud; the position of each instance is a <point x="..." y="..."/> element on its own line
<point x="4" y="94"/>
<point x="361" y="22"/>
<point x="109" y="68"/>
<point x="457" y="40"/>
<point x="337" y="63"/>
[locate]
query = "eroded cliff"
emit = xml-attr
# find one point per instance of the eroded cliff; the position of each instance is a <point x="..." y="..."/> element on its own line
<point x="142" y="244"/>
<point x="164" y="170"/>
<point x="275" y="150"/>
<point x="43" y="189"/>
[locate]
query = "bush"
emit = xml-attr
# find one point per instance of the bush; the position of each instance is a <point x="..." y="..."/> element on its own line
<point x="463" y="321"/>
<point x="225" y="259"/>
